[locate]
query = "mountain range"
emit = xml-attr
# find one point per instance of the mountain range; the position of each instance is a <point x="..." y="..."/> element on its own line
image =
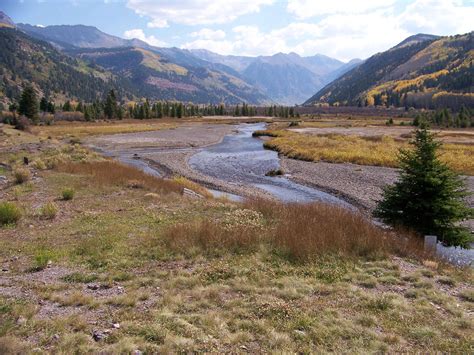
<point x="81" y="62"/>
<point x="186" y="75"/>
<point x="423" y="71"/>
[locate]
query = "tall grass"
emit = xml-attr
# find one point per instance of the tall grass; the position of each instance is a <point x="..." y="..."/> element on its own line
<point x="300" y="232"/>
<point x="378" y="150"/>
<point x="111" y="172"/>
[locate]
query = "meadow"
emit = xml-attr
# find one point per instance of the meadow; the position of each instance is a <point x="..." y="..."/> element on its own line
<point x="126" y="263"/>
<point x="381" y="150"/>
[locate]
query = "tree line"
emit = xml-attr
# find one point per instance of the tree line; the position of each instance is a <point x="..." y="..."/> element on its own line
<point x="112" y="107"/>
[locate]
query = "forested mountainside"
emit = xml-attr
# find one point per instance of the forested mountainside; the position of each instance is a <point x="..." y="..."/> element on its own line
<point x="281" y="78"/>
<point x="423" y="71"/>
<point x="155" y="77"/>
<point x="62" y="69"/>
<point x="25" y="60"/>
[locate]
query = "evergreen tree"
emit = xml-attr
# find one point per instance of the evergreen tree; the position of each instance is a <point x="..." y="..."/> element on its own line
<point x="429" y="196"/>
<point x="67" y="106"/>
<point x="28" y="105"/>
<point x="43" y="104"/>
<point x="51" y="108"/>
<point x="110" y="106"/>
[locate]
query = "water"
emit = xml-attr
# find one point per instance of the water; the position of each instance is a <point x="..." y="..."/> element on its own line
<point x="241" y="158"/>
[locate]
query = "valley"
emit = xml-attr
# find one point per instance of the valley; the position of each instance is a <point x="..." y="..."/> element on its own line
<point x="197" y="177"/>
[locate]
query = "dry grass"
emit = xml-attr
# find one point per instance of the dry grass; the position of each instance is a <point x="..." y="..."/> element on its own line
<point x="85" y="129"/>
<point x="113" y="173"/>
<point x="300" y="232"/>
<point x="192" y="186"/>
<point x="378" y="151"/>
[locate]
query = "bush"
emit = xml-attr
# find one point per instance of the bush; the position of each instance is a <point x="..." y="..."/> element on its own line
<point x="9" y="213"/>
<point x="68" y="194"/>
<point x="22" y="123"/>
<point x="42" y="259"/>
<point x="49" y="210"/>
<point x="21" y="175"/>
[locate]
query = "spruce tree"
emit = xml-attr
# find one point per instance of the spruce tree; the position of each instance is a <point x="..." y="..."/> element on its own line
<point x="110" y="106"/>
<point x="28" y="105"/>
<point x="429" y="196"/>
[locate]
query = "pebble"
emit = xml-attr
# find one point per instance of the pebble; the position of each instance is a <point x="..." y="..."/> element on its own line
<point x="97" y="335"/>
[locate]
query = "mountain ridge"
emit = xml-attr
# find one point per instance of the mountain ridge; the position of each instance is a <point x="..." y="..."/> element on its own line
<point x="423" y="71"/>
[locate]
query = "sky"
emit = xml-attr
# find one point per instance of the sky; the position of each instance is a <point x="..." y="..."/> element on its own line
<point x="342" y="29"/>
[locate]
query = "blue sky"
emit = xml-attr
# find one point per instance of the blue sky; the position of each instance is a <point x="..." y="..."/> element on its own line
<point x="341" y="29"/>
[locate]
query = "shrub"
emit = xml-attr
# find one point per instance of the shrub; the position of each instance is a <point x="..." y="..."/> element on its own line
<point x="49" y="210"/>
<point x="39" y="164"/>
<point x="68" y="194"/>
<point x="275" y="172"/>
<point x="42" y="259"/>
<point x="21" y="175"/>
<point x="22" y="123"/>
<point x="9" y="213"/>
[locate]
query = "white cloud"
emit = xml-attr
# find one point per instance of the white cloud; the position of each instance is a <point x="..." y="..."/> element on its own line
<point x="347" y="33"/>
<point x="139" y="34"/>
<point x="309" y="8"/>
<point x="194" y="12"/>
<point x="438" y="17"/>
<point x="207" y="33"/>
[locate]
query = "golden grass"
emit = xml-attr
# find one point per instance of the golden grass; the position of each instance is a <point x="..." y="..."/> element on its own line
<point x="301" y="232"/>
<point x="113" y="173"/>
<point x="84" y="129"/>
<point x="378" y="151"/>
<point x="181" y="180"/>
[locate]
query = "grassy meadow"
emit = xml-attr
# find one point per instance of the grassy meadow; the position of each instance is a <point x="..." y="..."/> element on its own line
<point x="100" y="257"/>
<point x="364" y="150"/>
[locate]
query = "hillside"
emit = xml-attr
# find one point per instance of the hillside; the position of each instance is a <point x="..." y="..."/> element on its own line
<point x="155" y="77"/>
<point x="285" y="78"/>
<point x="27" y="60"/>
<point x="5" y="21"/>
<point x="157" y="73"/>
<point x="423" y="71"/>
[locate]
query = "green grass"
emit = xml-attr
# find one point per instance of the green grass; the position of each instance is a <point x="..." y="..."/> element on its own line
<point x="10" y="213"/>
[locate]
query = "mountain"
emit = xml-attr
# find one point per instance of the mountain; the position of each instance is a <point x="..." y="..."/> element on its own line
<point x="285" y="78"/>
<point x="69" y="36"/>
<point x="422" y="71"/>
<point x="25" y="60"/>
<point x="283" y="82"/>
<point x="154" y="76"/>
<point x="157" y="73"/>
<point x="6" y="21"/>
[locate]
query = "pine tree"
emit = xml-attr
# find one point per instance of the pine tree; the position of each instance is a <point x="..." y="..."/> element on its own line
<point x="67" y="106"/>
<point x="429" y="196"/>
<point x="110" y="106"/>
<point x="28" y="104"/>
<point x="43" y="104"/>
